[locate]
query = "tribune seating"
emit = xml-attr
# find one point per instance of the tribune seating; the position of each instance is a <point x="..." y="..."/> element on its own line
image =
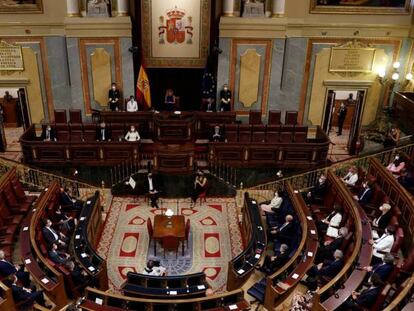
<point x="75" y="116"/>
<point x="255" y="117"/>
<point x="274" y="117"/>
<point x="60" y="116"/>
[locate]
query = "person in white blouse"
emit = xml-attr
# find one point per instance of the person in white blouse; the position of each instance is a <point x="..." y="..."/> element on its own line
<point x="132" y="134"/>
<point x="383" y="245"/>
<point x="333" y="221"/>
<point x="351" y="178"/>
<point x="396" y="166"/>
<point x="274" y="204"/>
<point x="132" y="105"/>
<point x="152" y="269"/>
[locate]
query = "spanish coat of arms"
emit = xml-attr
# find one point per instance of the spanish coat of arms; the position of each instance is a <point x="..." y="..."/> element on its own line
<point x="176" y="27"/>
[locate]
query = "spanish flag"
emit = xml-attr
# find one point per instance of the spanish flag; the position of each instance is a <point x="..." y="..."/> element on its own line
<point x="143" y="88"/>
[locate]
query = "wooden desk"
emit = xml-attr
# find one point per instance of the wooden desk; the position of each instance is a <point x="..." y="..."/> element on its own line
<point x="177" y="228"/>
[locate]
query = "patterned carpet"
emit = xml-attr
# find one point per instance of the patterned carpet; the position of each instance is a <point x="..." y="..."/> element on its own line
<point x="14" y="150"/>
<point x="214" y="239"/>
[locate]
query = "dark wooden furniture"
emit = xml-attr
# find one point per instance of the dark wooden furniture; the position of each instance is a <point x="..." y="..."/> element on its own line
<point x="10" y="113"/>
<point x="85" y="239"/>
<point x="96" y="300"/>
<point x="60" y="116"/>
<point x="252" y="229"/>
<point x="180" y="286"/>
<point x="169" y="228"/>
<point x="75" y="116"/>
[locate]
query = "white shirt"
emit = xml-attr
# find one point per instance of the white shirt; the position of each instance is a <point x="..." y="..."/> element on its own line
<point x="54" y="233"/>
<point x="350" y="179"/>
<point x="150" y="185"/>
<point x="132" y="136"/>
<point x="132" y="106"/>
<point x="157" y="271"/>
<point x="276" y="202"/>
<point x="333" y="226"/>
<point x="383" y="245"/>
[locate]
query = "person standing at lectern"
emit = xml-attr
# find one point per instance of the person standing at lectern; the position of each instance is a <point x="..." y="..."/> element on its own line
<point x="103" y="133"/>
<point x="152" y="190"/>
<point x="341" y="117"/>
<point x="169" y="101"/>
<point x="225" y="98"/>
<point x="132" y="105"/>
<point x="132" y="134"/>
<point x="113" y="97"/>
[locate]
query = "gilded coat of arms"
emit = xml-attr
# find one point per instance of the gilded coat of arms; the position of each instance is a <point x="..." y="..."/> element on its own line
<point x="176" y="27"/>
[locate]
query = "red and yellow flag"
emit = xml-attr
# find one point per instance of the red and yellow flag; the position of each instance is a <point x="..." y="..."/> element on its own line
<point x="143" y="88"/>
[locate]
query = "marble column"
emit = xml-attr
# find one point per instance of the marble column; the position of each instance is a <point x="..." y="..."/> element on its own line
<point x="73" y="9"/>
<point x="122" y="7"/>
<point x="278" y="8"/>
<point x="228" y="7"/>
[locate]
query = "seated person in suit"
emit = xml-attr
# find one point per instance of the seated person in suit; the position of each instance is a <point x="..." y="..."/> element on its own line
<point x="51" y="236"/>
<point x="284" y="233"/>
<point x="317" y="193"/>
<point x="7" y="269"/>
<point x="351" y="178"/>
<point x="66" y="201"/>
<point x="217" y="136"/>
<point x="365" y="298"/>
<point x="48" y="134"/>
<point x="382" y="245"/>
<point x="132" y="105"/>
<point x="21" y="294"/>
<point x="152" y="189"/>
<point x="326" y="250"/>
<point x="103" y="133"/>
<point x="331" y="223"/>
<point x="56" y="256"/>
<point x="396" y="166"/>
<point x="383" y="269"/>
<point x="274" y="204"/>
<point x="328" y="269"/>
<point x="65" y="223"/>
<point x="132" y="134"/>
<point x="209" y="104"/>
<point x="79" y="276"/>
<point x="381" y="222"/>
<point x="169" y="100"/>
<point x="365" y="195"/>
<point x="113" y="97"/>
<point x="154" y="268"/>
<point x="406" y="179"/>
<point x="273" y="263"/>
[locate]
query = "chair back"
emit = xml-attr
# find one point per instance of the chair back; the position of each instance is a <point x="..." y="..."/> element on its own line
<point x="187" y="229"/>
<point x="149" y="227"/>
<point x="170" y="242"/>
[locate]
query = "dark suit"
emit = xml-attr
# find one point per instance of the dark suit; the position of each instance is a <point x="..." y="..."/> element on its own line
<point x="364" y="196"/>
<point x="285" y="233"/>
<point x="270" y="266"/>
<point x="227" y="96"/>
<point x="19" y="294"/>
<point x="325" y="253"/>
<point x="365" y="300"/>
<point x="383" y="270"/>
<point x="103" y="134"/>
<point x="114" y="96"/>
<point x="57" y="257"/>
<point x="332" y="269"/>
<point x="77" y="276"/>
<point x="67" y="201"/>
<point x="50" y="135"/>
<point x="317" y="193"/>
<point x="384" y="220"/>
<point x="7" y="268"/>
<point x="49" y="237"/>
<point x="154" y="192"/>
<point x="341" y="118"/>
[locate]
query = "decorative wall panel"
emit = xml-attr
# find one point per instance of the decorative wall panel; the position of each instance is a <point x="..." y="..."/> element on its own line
<point x="101" y="75"/>
<point x="249" y="77"/>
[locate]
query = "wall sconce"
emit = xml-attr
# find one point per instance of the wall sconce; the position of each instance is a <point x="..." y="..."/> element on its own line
<point x="395" y="75"/>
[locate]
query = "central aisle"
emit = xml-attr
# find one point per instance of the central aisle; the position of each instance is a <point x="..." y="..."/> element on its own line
<point x="214" y="238"/>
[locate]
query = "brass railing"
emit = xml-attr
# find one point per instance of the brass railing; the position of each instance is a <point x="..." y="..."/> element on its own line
<point x="308" y="179"/>
<point x="39" y="179"/>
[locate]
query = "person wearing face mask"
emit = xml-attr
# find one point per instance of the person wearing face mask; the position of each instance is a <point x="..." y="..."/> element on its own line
<point x="382" y="245"/>
<point x="351" y="178"/>
<point x="274" y="204"/>
<point x="132" y="134"/>
<point x="113" y="97"/>
<point x="132" y="105"/>
<point x="331" y="222"/>
<point x="341" y="118"/>
<point x="225" y="98"/>
<point x="103" y="133"/>
<point x="48" y="134"/>
<point x="396" y="166"/>
<point x="318" y="192"/>
<point x="365" y="195"/>
<point x="381" y="222"/>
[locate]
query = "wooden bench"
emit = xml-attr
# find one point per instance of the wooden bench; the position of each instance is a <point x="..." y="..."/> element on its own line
<point x="85" y="239"/>
<point x="252" y="230"/>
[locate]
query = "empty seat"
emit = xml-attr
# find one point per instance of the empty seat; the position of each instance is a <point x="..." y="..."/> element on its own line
<point x="291" y="117"/>
<point x="286" y="134"/>
<point x="117" y="130"/>
<point x="258" y="133"/>
<point x="272" y="134"/>
<point x="301" y="133"/>
<point x="89" y="132"/>
<point x="245" y="133"/>
<point x="75" y="116"/>
<point x="60" y="116"/>
<point x="62" y="132"/>
<point x="255" y="117"/>
<point x="76" y="131"/>
<point x="274" y="117"/>
<point x="231" y="132"/>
